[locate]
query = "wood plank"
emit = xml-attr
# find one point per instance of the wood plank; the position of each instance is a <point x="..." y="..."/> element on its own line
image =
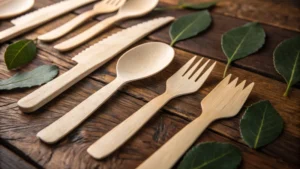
<point x="71" y="151"/>
<point x="188" y="107"/>
<point x="283" y="14"/>
<point x="209" y="43"/>
<point x="9" y="160"/>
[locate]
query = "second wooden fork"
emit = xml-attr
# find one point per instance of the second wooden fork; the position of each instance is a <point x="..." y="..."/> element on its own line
<point x="224" y="101"/>
<point x="184" y="81"/>
<point x="105" y="6"/>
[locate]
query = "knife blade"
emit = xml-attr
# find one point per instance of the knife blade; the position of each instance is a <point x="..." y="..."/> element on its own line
<point x="89" y="60"/>
<point x="36" y="18"/>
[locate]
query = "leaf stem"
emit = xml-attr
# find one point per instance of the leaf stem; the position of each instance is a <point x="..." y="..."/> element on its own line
<point x="286" y="93"/>
<point x="226" y="68"/>
<point x="172" y="43"/>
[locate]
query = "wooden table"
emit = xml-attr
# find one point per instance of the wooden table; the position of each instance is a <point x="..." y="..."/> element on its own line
<point x="21" y="149"/>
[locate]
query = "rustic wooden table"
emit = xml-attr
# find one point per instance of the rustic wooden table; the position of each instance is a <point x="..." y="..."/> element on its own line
<point x="21" y="149"/>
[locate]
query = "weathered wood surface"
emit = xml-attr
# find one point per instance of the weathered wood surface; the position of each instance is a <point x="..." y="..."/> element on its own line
<point x="19" y="129"/>
<point x="278" y="13"/>
<point x="9" y="160"/>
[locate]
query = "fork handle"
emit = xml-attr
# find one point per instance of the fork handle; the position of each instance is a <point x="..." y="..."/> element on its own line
<point x="170" y="152"/>
<point x="86" y="35"/>
<point x="124" y="131"/>
<point x="67" y="27"/>
<point x="77" y="115"/>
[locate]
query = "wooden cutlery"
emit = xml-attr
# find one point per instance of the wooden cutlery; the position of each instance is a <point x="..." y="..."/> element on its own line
<point x="36" y="18"/>
<point x="223" y="101"/>
<point x="138" y="63"/>
<point x="185" y="81"/>
<point x="89" y="60"/>
<point x="11" y="8"/>
<point x="131" y="9"/>
<point x="105" y="6"/>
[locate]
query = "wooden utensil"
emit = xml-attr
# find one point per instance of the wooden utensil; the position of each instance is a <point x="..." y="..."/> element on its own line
<point x="138" y="63"/>
<point x="105" y="6"/>
<point x="36" y="18"/>
<point x="184" y="81"/>
<point x="89" y="60"/>
<point x="131" y="9"/>
<point x="11" y="8"/>
<point x="223" y="101"/>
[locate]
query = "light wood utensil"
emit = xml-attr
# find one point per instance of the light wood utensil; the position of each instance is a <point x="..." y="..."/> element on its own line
<point x="184" y="81"/>
<point x="105" y="6"/>
<point x="89" y="60"/>
<point x="223" y="101"/>
<point x="36" y="18"/>
<point x="131" y="9"/>
<point x="11" y="8"/>
<point x="138" y="63"/>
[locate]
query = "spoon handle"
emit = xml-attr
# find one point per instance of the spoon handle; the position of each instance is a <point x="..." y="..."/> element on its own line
<point x="67" y="27"/>
<point x="86" y="35"/>
<point x="170" y="152"/>
<point x="124" y="131"/>
<point x="77" y="115"/>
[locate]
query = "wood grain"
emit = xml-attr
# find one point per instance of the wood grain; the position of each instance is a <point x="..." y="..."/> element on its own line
<point x="278" y="13"/>
<point x="9" y="160"/>
<point x="20" y="129"/>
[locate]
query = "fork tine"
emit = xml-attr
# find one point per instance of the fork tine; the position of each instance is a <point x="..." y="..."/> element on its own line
<point x="192" y="70"/>
<point x="203" y="78"/>
<point x="200" y="70"/>
<point x="233" y="83"/>
<point x="185" y="67"/>
<point x="240" y="87"/>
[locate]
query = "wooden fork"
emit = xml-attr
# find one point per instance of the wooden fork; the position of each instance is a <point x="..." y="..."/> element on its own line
<point x="105" y="6"/>
<point x="184" y="81"/>
<point x="223" y="101"/>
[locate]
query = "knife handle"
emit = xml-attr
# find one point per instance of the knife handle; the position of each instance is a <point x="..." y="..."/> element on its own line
<point x="67" y="27"/>
<point x="86" y="35"/>
<point x="44" y="94"/>
<point x="64" y="125"/>
<point x="14" y="31"/>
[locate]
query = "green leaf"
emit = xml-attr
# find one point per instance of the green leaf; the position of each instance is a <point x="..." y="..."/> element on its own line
<point x="242" y="41"/>
<point x="189" y="26"/>
<point x="212" y="155"/>
<point x="261" y="124"/>
<point x="287" y="61"/>
<point x="35" y="77"/>
<point x="20" y="53"/>
<point x="202" y="5"/>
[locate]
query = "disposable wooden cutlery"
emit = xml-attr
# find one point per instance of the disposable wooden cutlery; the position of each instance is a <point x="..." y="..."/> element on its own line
<point x="138" y="63"/>
<point x="89" y="60"/>
<point x="104" y="6"/>
<point x="131" y="9"/>
<point x="223" y="101"/>
<point x="11" y="8"/>
<point x="185" y="81"/>
<point x="36" y="18"/>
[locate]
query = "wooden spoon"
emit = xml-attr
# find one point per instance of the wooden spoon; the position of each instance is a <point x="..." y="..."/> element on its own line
<point x="131" y="9"/>
<point x="11" y="8"/>
<point x="138" y="63"/>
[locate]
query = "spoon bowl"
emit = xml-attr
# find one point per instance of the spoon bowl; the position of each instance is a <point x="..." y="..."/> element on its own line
<point x="11" y="8"/>
<point x="137" y="7"/>
<point x="144" y="60"/>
